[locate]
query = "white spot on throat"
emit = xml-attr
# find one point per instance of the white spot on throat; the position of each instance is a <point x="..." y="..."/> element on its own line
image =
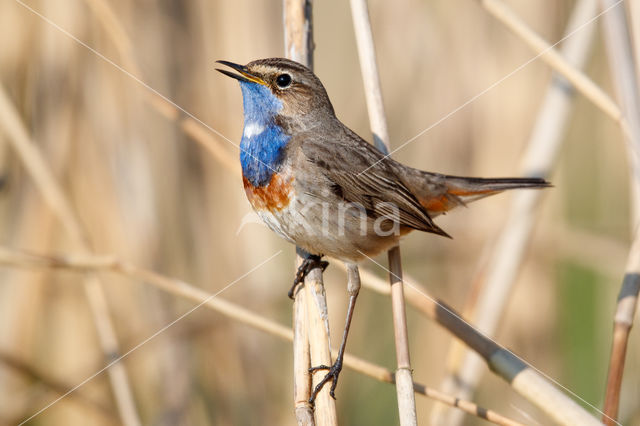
<point x="252" y="129"/>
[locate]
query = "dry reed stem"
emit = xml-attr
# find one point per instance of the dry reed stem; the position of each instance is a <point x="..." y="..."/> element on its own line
<point x="375" y="106"/>
<point x="625" y="75"/>
<point x="301" y="362"/>
<point x="404" y="381"/>
<point x="82" y="263"/>
<point x="298" y="36"/>
<point x="318" y="324"/>
<point x="621" y="330"/>
<point x="555" y="60"/>
<point x="524" y="379"/>
<point x="32" y="159"/>
<point x="370" y="77"/>
<point x="502" y="266"/>
<point x="623" y="321"/>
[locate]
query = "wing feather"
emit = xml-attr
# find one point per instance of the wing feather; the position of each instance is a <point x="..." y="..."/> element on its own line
<point x="358" y="175"/>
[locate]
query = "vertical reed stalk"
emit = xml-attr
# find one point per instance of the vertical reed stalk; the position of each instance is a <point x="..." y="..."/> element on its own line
<point x="318" y="324"/>
<point x="378" y="122"/>
<point x="622" y="66"/>
<point x="301" y="362"/>
<point x="623" y="321"/>
<point x="298" y="37"/>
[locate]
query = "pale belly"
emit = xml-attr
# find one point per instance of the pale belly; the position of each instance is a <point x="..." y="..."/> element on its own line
<point x="278" y="222"/>
<point x="333" y="228"/>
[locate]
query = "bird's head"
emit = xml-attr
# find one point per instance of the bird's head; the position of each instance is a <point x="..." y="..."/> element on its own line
<point x="282" y="90"/>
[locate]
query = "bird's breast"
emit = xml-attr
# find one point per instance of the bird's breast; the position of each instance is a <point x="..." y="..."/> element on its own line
<point x="274" y="203"/>
<point x="273" y="197"/>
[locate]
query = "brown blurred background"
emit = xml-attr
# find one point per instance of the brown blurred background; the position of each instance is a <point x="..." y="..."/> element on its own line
<point x="148" y="193"/>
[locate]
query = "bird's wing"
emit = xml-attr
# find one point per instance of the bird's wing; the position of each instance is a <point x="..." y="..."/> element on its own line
<point x="358" y="176"/>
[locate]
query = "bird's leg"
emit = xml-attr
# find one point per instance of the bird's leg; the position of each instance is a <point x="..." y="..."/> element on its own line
<point x="353" y="287"/>
<point x="310" y="262"/>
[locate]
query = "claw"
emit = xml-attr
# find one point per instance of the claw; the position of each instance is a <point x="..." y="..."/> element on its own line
<point x="332" y="374"/>
<point x="309" y="263"/>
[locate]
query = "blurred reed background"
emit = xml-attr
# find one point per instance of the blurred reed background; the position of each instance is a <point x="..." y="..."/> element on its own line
<point x="147" y="193"/>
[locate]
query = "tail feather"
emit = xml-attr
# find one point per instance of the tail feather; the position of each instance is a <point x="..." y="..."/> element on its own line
<point x="456" y="191"/>
<point x="482" y="187"/>
<point x="474" y="184"/>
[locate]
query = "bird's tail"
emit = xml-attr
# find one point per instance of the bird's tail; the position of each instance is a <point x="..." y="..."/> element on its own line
<point x="475" y="188"/>
<point x="455" y="190"/>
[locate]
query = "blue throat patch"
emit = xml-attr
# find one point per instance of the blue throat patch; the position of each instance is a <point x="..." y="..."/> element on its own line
<point x="263" y="142"/>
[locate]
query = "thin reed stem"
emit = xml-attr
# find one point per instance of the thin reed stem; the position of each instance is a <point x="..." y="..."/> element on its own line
<point x="378" y="122"/>
<point x="320" y="349"/>
<point x="623" y="321"/>
<point x="301" y="362"/>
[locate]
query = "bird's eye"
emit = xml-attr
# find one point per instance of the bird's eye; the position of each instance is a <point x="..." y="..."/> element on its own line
<point x="283" y="80"/>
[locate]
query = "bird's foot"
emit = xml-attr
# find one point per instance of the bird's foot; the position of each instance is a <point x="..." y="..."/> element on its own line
<point x="309" y="263"/>
<point x="332" y="374"/>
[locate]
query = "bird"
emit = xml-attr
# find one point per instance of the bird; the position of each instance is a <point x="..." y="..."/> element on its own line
<point x="320" y="186"/>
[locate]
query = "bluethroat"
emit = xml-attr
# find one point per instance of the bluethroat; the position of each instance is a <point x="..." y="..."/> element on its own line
<point x="320" y="186"/>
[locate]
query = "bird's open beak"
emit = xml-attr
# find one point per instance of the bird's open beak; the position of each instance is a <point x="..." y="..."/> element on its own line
<point x="244" y="76"/>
